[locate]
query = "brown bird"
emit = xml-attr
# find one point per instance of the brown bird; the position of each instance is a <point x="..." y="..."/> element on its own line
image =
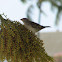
<point x="32" y="26"/>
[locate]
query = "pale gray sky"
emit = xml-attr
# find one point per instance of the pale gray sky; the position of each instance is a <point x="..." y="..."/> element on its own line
<point x="15" y="10"/>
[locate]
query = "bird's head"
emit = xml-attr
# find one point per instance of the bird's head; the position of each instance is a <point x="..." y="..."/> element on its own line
<point x="24" y="19"/>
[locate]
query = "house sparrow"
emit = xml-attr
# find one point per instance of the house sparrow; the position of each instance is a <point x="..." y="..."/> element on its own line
<point x="32" y="26"/>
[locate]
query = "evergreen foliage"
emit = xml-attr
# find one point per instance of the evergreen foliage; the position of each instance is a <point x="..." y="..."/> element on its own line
<point x="18" y="44"/>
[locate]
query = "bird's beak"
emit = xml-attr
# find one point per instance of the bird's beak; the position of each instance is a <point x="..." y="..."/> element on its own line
<point x="20" y="19"/>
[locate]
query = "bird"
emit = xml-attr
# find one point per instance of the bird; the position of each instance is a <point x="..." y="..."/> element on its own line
<point x="32" y="26"/>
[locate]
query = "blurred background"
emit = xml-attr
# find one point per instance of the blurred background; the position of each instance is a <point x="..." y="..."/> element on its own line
<point x="44" y="12"/>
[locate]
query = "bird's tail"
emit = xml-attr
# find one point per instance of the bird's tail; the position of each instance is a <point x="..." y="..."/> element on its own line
<point x="42" y="27"/>
<point x="46" y="26"/>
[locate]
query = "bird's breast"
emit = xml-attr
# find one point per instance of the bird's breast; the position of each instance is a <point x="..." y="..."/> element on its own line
<point x="29" y="27"/>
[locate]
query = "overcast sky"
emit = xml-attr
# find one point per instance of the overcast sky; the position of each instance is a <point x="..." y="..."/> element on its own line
<point x="15" y="10"/>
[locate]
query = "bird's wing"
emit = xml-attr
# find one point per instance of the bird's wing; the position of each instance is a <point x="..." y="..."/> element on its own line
<point x="36" y="25"/>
